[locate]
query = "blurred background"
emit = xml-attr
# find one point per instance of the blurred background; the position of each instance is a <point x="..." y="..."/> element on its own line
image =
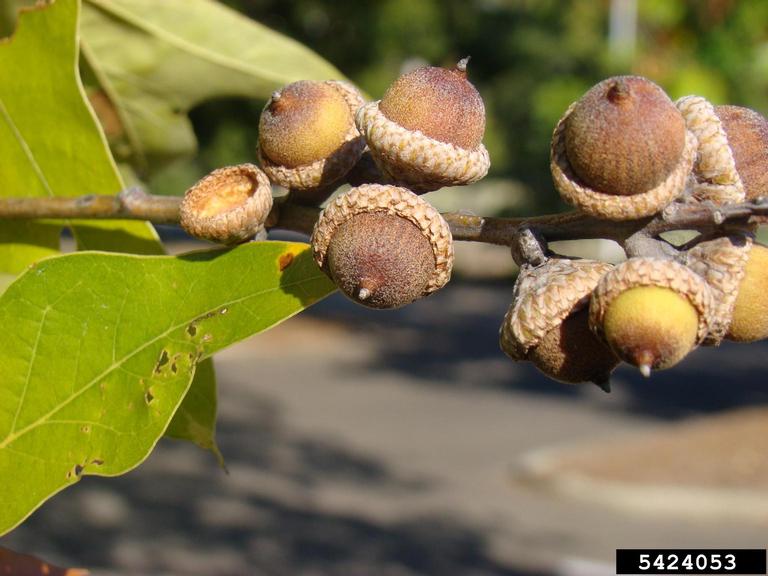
<point x="530" y="60"/>
<point x="405" y="443"/>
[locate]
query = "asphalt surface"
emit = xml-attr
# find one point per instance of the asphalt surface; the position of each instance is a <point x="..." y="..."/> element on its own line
<point x="390" y="444"/>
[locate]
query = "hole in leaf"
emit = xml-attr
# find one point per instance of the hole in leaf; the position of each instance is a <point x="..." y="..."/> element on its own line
<point x="85" y="429"/>
<point x="148" y="396"/>
<point x="162" y="361"/>
<point x="223" y="311"/>
<point x="174" y="368"/>
<point x="192" y="330"/>
<point x="78" y="469"/>
<point x="97" y="462"/>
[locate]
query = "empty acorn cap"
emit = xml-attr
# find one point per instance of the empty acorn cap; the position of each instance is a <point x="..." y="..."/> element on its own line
<point x="326" y="170"/>
<point x="543" y="297"/>
<point x="715" y="176"/>
<point x="229" y="205"/>
<point x="637" y="272"/>
<point x="721" y="263"/>
<point x="391" y="200"/>
<point x="628" y="198"/>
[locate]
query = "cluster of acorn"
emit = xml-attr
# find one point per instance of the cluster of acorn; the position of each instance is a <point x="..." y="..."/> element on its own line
<point x="624" y="151"/>
<point x="382" y="244"/>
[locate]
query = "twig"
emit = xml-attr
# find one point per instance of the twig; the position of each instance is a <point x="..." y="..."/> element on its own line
<point x="633" y="235"/>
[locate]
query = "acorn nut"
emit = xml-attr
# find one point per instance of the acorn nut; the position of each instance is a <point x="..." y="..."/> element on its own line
<point x="307" y="134"/>
<point x="383" y="246"/>
<point x="622" y="151"/>
<point x="732" y="157"/>
<point x="229" y="205"/>
<point x="651" y="312"/>
<point x="426" y="132"/>
<point x="548" y="322"/>
<point x="749" y="321"/>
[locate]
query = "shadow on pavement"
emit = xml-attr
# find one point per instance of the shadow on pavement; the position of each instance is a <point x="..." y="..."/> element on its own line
<point x="179" y="514"/>
<point x="451" y="339"/>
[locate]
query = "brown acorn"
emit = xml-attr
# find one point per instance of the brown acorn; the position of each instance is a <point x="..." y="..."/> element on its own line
<point x="427" y="130"/>
<point x="383" y="246"/>
<point x="307" y="134"/>
<point x="229" y="205"/>
<point x="548" y="322"/>
<point x="651" y="312"/>
<point x="732" y="157"/>
<point x="622" y="151"/>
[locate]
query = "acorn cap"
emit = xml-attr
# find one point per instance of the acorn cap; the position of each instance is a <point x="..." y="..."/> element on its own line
<point x="229" y="205"/>
<point x="611" y="206"/>
<point x="412" y="159"/>
<point x="392" y="200"/>
<point x="637" y="272"/>
<point x="747" y="132"/>
<point x="327" y="170"/>
<point x="721" y="263"/>
<point x="543" y="297"/>
<point x="715" y="176"/>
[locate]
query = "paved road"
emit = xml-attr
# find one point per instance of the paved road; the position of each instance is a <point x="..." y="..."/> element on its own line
<point x="386" y="444"/>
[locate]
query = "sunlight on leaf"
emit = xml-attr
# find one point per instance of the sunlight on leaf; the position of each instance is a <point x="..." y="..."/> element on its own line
<point x="50" y="142"/>
<point x="96" y="366"/>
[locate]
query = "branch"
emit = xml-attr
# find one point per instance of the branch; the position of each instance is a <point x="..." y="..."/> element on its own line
<point x="134" y="204"/>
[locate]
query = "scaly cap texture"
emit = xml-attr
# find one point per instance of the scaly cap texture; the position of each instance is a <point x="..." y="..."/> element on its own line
<point x="721" y="263"/>
<point x="637" y="272"/>
<point x="543" y="297"/>
<point x="715" y="176"/>
<point x="392" y="200"/>
<point x="327" y="170"/>
<point x="412" y="159"/>
<point x="229" y="205"/>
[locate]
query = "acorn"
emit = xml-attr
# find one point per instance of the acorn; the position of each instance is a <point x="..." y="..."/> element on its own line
<point x="229" y="205"/>
<point x="622" y="151"/>
<point x="749" y="321"/>
<point x="383" y="246"/>
<point x="548" y="322"/>
<point x="307" y="135"/>
<point x="651" y="312"/>
<point x="426" y="132"/>
<point x="722" y="263"/>
<point x="732" y="157"/>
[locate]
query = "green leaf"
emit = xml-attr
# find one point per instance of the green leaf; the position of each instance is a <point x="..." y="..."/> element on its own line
<point x="195" y="420"/>
<point x="156" y="60"/>
<point x="50" y="142"/>
<point x="99" y="350"/>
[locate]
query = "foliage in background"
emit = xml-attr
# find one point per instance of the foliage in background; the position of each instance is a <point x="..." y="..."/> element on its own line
<point x="529" y="61"/>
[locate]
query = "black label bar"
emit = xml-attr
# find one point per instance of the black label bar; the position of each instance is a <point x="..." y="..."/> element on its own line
<point x="742" y="561"/>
